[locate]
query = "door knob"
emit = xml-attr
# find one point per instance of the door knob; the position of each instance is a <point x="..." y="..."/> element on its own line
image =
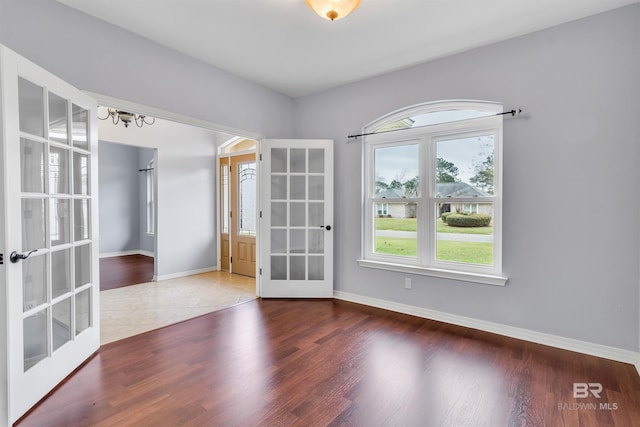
<point x="15" y="256"/>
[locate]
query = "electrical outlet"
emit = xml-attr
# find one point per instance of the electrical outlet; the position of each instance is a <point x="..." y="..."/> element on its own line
<point x="407" y="283"/>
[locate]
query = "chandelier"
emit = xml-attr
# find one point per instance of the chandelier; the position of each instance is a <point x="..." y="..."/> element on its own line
<point x="333" y="9"/>
<point x="126" y="118"/>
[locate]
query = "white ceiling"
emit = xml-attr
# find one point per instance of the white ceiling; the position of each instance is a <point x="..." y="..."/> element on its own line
<point x="284" y="45"/>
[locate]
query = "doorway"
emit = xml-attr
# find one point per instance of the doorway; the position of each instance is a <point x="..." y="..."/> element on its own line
<point x="238" y="206"/>
<point x="187" y="283"/>
<point x="127" y="214"/>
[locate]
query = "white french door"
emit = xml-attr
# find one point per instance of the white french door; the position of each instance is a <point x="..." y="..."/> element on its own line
<point x="50" y="270"/>
<point x="296" y="234"/>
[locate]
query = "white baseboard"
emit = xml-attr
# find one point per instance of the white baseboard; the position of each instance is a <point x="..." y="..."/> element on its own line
<point x="184" y="273"/>
<point x="598" y="350"/>
<point x="125" y="253"/>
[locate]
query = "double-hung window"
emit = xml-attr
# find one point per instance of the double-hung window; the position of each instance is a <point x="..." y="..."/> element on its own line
<point x="436" y="169"/>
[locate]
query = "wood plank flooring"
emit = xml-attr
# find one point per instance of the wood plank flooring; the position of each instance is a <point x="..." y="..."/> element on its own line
<point x="329" y="362"/>
<point x="116" y="272"/>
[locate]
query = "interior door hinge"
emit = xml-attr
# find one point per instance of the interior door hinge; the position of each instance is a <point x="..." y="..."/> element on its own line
<point x="261" y="272"/>
<point x="230" y="214"/>
<point x="260" y="214"/>
<point x="260" y="156"/>
<point x="1" y="259"/>
<point x="231" y="260"/>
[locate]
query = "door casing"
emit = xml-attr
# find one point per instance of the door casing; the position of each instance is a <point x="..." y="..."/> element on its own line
<point x="231" y="243"/>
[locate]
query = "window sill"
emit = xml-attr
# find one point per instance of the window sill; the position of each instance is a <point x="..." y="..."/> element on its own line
<point x="484" y="279"/>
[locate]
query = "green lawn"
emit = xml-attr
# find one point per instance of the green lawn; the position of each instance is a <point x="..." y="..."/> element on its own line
<point x="410" y="224"/>
<point x="467" y="252"/>
<point x="396" y="246"/>
<point x="397" y="224"/>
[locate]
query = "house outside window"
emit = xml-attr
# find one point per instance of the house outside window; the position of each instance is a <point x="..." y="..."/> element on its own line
<point x="432" y="191"/>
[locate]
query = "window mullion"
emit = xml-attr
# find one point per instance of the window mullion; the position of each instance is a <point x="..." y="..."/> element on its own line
<point x="427" y="230"/>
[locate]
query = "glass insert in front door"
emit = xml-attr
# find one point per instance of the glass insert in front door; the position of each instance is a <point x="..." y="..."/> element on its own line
<point x="57" y="280"/>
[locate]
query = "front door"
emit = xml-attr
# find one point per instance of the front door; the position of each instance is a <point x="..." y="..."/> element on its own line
<point x="49" y="277"/>
<point x="296" y="234"/>
<point x="243" y="214"/>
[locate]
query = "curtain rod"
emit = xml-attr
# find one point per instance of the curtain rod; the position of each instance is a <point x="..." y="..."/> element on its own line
<point x="512" y="112"/>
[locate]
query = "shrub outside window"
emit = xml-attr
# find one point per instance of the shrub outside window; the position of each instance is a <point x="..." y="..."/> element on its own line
<point x="436" y="170"/>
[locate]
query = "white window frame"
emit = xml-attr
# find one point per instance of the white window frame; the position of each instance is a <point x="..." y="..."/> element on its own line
<point x="427" y="137"/>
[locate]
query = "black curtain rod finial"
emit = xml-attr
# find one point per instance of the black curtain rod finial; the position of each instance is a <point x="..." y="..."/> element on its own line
<point x="513" y="112"/>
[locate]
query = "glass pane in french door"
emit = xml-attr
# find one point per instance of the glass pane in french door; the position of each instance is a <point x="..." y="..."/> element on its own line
<point x="81" y="219"/>
<point x="61" y="332"/>
<point x="57" y="281"/>
<point x="58" y="119"/>
<point x="33" y="224"/>
<point x="31" y="107"/>
<point x="32" y="166"/>
<point x="80" y="127"/>
<point x="297" y="214"/>
<point x="34" y="282"/>
<point x="83" y="310"/>
<point x="35" y="338"/>
<point x="58" y="170"/>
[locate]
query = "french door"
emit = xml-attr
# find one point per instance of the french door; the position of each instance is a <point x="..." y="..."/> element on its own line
<point x="50" y="273"/>
<point x="296" y="225"/>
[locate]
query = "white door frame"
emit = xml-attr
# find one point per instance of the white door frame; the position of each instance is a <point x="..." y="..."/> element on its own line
<point x="4" y="338"/>
<point x="220" y="155"/>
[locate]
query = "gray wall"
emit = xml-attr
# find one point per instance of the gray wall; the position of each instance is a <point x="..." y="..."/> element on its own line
<point x="99" y="57"/>
<point x="122" y="193"/>
<point x="571" y="193"/>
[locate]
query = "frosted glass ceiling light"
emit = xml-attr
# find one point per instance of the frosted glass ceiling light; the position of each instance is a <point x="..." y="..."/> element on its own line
<point x="333" y="9"/>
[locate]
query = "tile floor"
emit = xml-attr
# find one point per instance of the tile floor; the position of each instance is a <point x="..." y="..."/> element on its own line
<point x="132" y="310"/>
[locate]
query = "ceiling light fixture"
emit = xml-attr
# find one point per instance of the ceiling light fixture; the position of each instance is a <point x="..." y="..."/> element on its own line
<point x="126" y="118"/>
<point x="333" y="9"/>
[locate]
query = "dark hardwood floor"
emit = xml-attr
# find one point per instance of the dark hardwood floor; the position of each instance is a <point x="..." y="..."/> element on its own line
<point x="329" y="362"/>
<point x="116" y="272"/>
